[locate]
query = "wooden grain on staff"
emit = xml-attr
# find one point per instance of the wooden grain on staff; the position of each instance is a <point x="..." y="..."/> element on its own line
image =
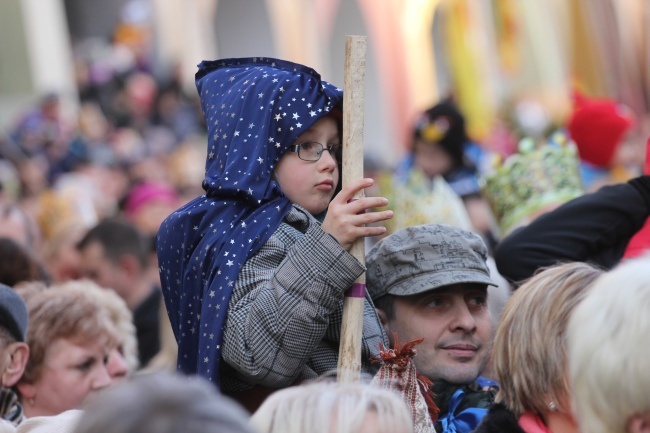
<point x="349" y="365"/>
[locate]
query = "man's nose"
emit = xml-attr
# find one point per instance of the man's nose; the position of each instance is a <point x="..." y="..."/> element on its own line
<point x="463" y="318"/>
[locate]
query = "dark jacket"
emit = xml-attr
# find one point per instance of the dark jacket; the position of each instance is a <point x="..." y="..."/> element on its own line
<point x="593" y="228"/>
<point x="499" y="420"/>
<point x="146" y="318"/>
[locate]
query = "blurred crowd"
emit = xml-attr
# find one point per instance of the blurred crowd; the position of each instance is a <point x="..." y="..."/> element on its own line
<point x="134" y="150"/>
<point x="81" y="198"/>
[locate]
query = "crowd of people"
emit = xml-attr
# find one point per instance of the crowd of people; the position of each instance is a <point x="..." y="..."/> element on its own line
<point x="142" y="290"/>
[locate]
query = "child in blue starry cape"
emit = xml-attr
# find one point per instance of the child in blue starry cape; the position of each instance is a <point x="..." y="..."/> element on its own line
<point x="253" y="281"/>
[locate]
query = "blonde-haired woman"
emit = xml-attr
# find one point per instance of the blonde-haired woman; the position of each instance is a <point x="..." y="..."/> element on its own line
<point x="529" y="353"/>
<point x="70" y="337"/>
<point x="123" y="360"/>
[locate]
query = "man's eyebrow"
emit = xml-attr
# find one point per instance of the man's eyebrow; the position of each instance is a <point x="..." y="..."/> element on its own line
<point x="430" y="294"/>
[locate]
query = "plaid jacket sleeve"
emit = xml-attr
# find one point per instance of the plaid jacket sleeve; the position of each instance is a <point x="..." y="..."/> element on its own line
<point x="283" y="302"/>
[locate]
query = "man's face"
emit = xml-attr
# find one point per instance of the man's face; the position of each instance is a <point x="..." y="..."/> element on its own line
<point x="97" y="267"/>
<point x="456" y="325"/>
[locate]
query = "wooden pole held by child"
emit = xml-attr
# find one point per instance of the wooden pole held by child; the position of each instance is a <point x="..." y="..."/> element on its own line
<point x="349" y="363"/>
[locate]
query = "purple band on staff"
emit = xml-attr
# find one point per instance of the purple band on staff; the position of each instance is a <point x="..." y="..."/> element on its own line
<point x="355" y="199"/>
<point x="358" y="290"/>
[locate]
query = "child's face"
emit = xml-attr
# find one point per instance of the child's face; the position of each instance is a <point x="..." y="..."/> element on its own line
<point x="432" y="159"/>
<point x="311" y="184"/>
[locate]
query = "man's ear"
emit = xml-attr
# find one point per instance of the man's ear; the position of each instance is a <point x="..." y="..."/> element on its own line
<point x="639" y="424"/>
<point x="383" y="318"/>
<point x="18" y="354"/>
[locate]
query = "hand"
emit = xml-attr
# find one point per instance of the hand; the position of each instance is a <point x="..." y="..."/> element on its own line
<point x="345" y="219"/>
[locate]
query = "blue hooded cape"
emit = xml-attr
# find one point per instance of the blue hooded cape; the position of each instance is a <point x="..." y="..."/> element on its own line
<point x="254" y="109"/>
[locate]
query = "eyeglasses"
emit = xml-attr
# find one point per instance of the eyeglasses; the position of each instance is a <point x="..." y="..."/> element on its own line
<point x="312" y="151"/>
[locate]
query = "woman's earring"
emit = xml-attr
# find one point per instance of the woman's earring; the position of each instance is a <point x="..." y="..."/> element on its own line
<point x="552" y="406"/>
<point x="31" y="401"/>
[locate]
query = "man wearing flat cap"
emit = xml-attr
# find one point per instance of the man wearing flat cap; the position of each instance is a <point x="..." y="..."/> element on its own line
<point x="13" y="352"/>
<point x="430" y="282"/>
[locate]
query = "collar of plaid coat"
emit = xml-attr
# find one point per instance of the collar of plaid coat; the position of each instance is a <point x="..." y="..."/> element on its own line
<point x="254" y="109"/>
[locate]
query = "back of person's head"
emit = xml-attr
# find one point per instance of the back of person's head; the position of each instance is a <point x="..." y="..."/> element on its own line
<point x="164" y="403"/>
<point x="117" y="237"/>
<point x="332" y="407"/>
<point x="19" y="264"/>
<point x="529" y="353"/>
<point x="607" y="339"/>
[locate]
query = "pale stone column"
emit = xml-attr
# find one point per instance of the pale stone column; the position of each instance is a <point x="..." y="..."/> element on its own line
<point x="185" y="34"/>
<point x="36" y="56"/>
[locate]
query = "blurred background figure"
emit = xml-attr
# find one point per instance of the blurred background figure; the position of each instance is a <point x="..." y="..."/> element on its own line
<point x="115" y="255"/>
<point x="42" y="135"/>
<point x="437" y="182"/>
<point x="540" y="176"/>
<point x="148" y="203"/>
<point x="608" y="352"/>
<point x="164" y="403"/>
<point x="18" y="225"/>
<point x="602" y="129"/>
<point x="19" y="264"/>
<point x="332" y="407"/>
<point x="529" y="353"/>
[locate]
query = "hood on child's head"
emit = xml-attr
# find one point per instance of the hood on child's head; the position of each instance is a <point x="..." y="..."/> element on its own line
<point x="254" y="109"/>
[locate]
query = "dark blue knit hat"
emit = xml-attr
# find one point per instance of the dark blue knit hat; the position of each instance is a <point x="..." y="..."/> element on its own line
<point x="13" y="313"/>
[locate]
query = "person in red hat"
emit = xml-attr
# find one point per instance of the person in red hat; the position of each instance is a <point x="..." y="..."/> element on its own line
<point x="599" y="127"/>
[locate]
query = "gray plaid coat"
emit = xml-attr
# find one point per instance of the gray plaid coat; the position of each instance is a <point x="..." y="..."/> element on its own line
<point x="284" y="316"/>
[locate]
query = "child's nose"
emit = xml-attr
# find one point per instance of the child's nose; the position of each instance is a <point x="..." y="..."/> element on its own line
<point x="327" y="160"/>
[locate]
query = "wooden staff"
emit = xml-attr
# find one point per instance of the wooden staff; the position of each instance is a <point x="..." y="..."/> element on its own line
<point x="349" y="365"/>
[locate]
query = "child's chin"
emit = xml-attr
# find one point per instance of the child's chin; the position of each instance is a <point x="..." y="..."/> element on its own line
<point x="319" y="215"/>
